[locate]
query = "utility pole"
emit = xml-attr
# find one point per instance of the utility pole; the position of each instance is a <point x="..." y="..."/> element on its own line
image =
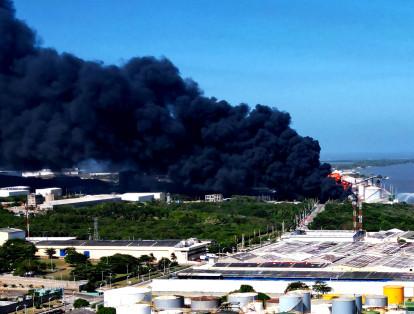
<point x="95" y="229"/>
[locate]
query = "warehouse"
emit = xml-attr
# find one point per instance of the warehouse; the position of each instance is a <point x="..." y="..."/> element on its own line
<point x="81" y="201"/>
<point x="14" y="191"/>
<point x="143" y="197"/>
<point x="10" y="234"/>
<point x="184" y="250"/>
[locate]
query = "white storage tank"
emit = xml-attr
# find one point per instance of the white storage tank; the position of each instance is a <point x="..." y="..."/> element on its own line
<point x="343" y="306"/>
<point x="376" y="301"/>
<point x="126" y="296"/>
<point x="241" y="299"/>
<point x="306" y="299"/>
<point x="169" y="302"/>
<point x="291" y="302"/>
<point x="134" y="309"/>
<point x="204" y="303"/>
<point x="358" y="304"/>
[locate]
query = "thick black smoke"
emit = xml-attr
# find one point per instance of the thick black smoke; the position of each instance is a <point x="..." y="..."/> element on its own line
<point x="57" y="110"/>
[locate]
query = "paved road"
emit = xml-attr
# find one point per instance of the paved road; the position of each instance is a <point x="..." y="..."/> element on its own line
<point x="319" y="208"/>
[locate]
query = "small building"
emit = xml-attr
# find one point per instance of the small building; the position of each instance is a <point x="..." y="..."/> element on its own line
<point x="185" y="250"/>
<point x="214" y="198"/>
<point x="81" y="201"/>
<point x="10" y="234"/>
<point x="143" y="197"/>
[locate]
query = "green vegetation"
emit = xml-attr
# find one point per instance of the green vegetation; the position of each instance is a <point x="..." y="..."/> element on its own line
<point x="296" y="285"/>
<point x="321" y="287"/>
<point x="217" y="221"/>
<point x="18" y="256"/>
<point x="376" y="217"/>
<point x="114" y="268"/>
<point x="79" y="303"/>
<point x="106" y="310"/>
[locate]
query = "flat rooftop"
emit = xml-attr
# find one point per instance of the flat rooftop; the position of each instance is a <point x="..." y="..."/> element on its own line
<point x="119" y="243"/>
<point x="10" y="230"/>
<point x="326" y="259"/>
<point x="295" y="275"/>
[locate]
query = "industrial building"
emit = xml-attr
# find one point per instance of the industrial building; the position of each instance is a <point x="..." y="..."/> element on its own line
<point x="350" y="262"/>
<point x="56" y="192"/>
<point x="185" y="250"/>
<point x="140" y="300"/>
<point x="10" y="234"/>
<point x="81" y="201"/>
<point x="143" y="197"/>
<point x="214" y="198"/>
<point x="14" y="191"/>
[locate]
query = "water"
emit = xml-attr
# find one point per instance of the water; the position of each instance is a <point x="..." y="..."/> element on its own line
<point x="401" y="177"/>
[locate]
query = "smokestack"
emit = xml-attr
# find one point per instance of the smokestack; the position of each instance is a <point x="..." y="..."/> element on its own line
<point x="57" y="111"/>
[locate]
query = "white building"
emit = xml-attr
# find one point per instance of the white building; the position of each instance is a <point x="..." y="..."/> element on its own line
<point x="10" y="234"/>
<point x="8" y="193"/>
<point x="214" y="198"/>
<point x="14" y="191"/>
<point x="39" y="173"/>
<point x="143" y="197"/>
<point x="184" y="250"/>
<point x="56" y="192"/>
<point x="81" y="201"/>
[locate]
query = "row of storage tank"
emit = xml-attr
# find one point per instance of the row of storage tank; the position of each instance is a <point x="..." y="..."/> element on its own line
<point x="132" y="300"/>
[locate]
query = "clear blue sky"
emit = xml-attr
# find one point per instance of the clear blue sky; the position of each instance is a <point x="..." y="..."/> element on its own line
<point x="343" y="69"/>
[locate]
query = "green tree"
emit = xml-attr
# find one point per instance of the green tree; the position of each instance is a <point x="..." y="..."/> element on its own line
<point x="119" y="263"/>
<point x="74" y="258"/>
<point x="26" y="266"/>
<point x="163" y="263"/>
<point x="246" y="288"/>
<point x="14" y="252"/>
<point x="321" y="287"/>
<point x="296" y="285"/>
<point x="106" y="310"/>
<point x="79" y="303"/>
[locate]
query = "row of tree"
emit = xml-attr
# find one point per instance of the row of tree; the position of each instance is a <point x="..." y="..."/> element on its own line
<point x="109" y="267"/>
<point x="320" y="287"/>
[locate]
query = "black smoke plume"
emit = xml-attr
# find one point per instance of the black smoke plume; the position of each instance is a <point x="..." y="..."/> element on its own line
<point x="57" y="110"/>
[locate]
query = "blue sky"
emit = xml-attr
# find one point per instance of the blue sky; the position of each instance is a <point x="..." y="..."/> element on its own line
<point x="343" y="69"/>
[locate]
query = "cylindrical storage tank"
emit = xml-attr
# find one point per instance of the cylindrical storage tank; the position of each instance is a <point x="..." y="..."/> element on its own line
<point x="376" y="301"/>
<point x="241" y="299"/>
<point x="290" y="302"/>
<point x="343" y="306"/>
<point x="134" y="309"/>
<point x="306" y="299"/>
<point x="204" y="303"/>
<point x="126" y="296"/>
<point x="168" y="302"/>
<point x="358" y="304"/>
<point x="395" y="294"/>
